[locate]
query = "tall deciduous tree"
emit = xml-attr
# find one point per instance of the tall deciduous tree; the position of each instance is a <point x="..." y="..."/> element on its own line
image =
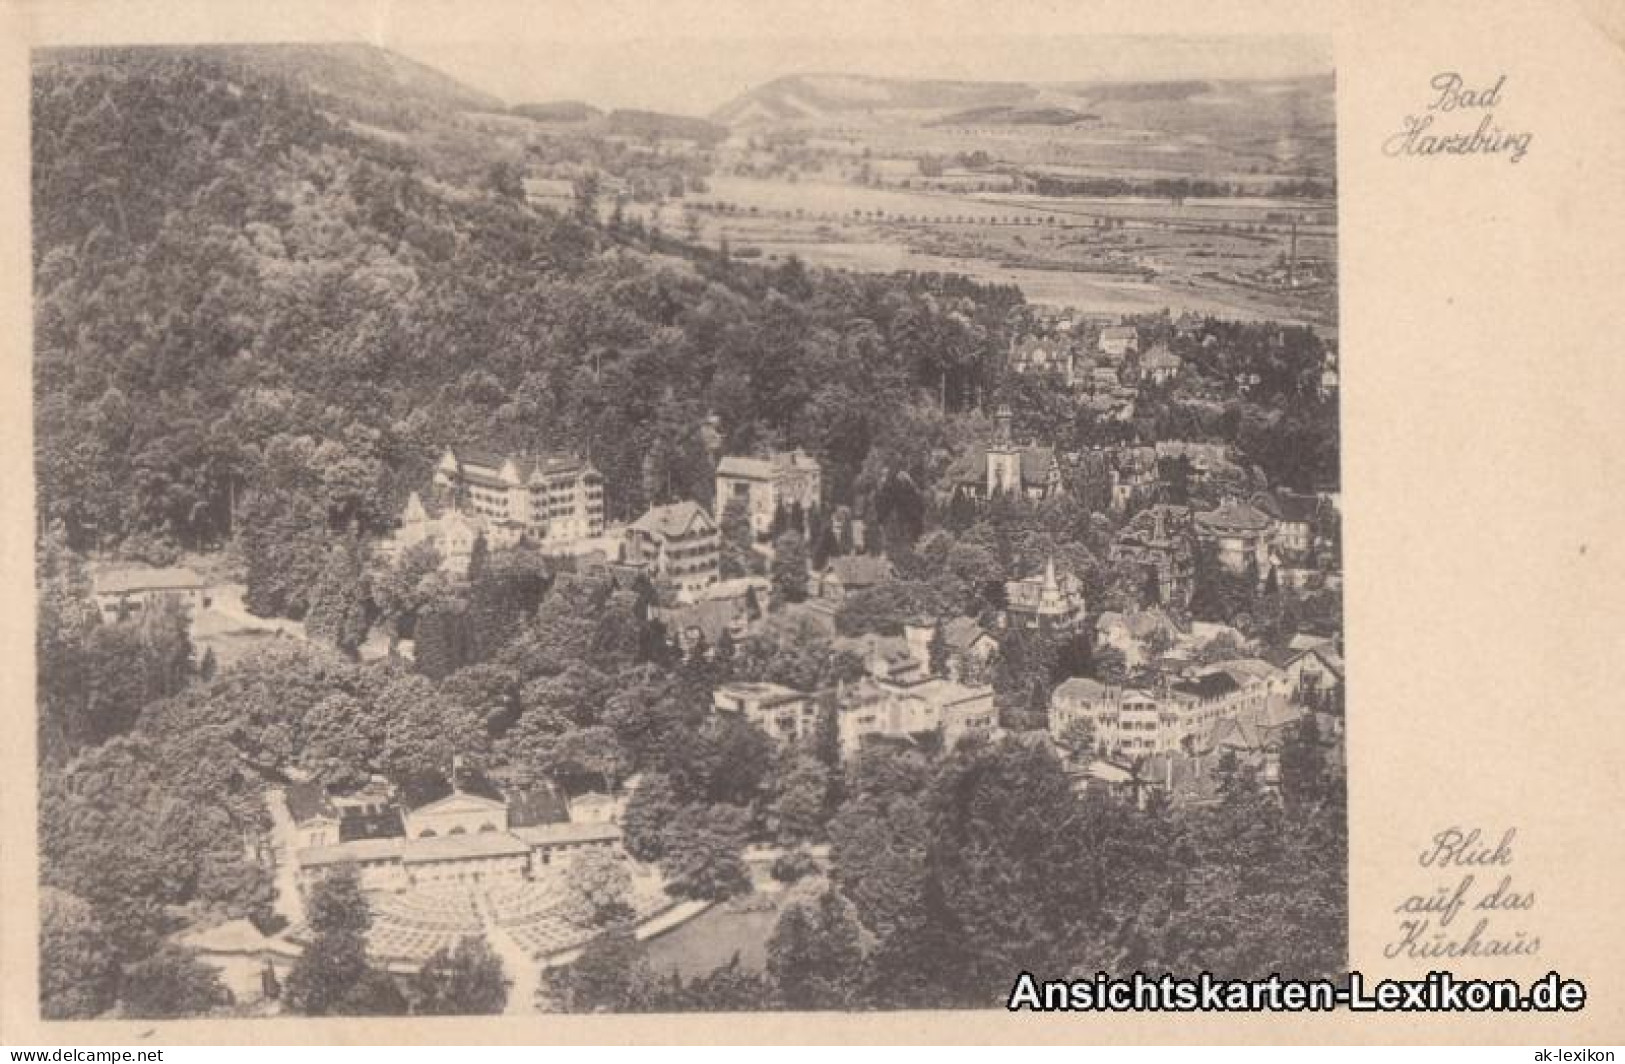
<point x="704" y="852"/>
<point x="651" y="808"/>
<point x="442" y="645"/>
<point x="801" y="799"/>
<point x="340" y="600"/>
<point x="611" y="975"/>
<point x="79" y="968"/>
<point x="171" y="983"/>
<point x="790" y="576"/>
<point x="598" y="889"/>
<point x="937" y="652"/>
<point x="738" y="555"/>
<point x="333" y="976"/>
<point x="465" y="980"/>
<point x="815" y="956"/>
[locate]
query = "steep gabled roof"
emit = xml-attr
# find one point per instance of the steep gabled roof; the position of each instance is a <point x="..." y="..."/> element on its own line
<point x="1081" y="689"/>
<point x="429" y="790"/>
<point x="1159" y="357"/>
<point x="745" y="468"/>
<point x="381" y="823"/>
<point x="418" y="508"/>
<point x="971" y="467"/>
<point x="532" y="806"/>
<point x="1233" y="516"/>
<point x="672" y="520"/>
<point x="470" y="457"/>
<point x="962" y="633"/>
<point x="1287" y="506"/>
<point x="460" y="798"/>
<point x="347" y="852"/>
<point x="1328" y="655"/>
<point x="559" y="834"/>
<point x="711" y="617"/>
<point x="1237" y="734"/>
<point x="1210" y="685"/>
<point x="124" y="581"/>
<point x="463" y="847"/>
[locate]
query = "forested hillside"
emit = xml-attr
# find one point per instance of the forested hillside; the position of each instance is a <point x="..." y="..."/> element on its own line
<point x="267" y="300"/>
<point x="244" y="304"/>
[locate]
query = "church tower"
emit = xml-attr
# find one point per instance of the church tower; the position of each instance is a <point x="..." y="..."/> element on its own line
<point x="1003" y="459"/>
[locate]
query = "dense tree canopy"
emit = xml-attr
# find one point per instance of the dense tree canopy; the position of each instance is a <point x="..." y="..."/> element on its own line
<point x="466" y="980"/>
<point x="257" y="325"/>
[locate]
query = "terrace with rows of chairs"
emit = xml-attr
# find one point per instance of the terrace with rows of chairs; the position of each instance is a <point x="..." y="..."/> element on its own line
<point x="429" y="909"/>
<point x="409" y="927"/>
<point x="534" y="915"/>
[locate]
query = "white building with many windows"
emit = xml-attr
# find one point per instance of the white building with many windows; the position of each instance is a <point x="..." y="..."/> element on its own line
<point x="764" y="484"/>
<point x="556" y="499"/>
<point x="676" y="543"/>
<point x="783" y="712"/>
<point x="1183" y="717"/>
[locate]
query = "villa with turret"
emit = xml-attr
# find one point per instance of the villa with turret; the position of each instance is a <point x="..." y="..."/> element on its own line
<point x="1045" y="600"/>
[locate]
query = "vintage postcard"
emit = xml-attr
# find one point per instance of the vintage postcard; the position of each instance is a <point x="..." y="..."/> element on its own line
<point x="903" y="521"/>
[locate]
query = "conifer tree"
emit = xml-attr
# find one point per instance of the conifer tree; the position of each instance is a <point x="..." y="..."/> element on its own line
<point x="339" y="602"/>
<point x="790" y="576"/>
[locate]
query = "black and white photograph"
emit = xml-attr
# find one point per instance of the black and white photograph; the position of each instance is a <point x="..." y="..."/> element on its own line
<point x="532" y="525"/>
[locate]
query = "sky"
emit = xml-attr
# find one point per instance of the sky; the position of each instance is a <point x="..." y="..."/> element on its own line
<point x="691" y="56"/>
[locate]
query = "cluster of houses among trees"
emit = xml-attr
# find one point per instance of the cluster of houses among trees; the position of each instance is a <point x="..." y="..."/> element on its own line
<point x="895" y="581"/>
<point x="1152" y="613"/>
<point x="1165" y="689"/>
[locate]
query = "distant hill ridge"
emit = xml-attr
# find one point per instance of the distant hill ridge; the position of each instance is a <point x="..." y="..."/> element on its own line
<point x="361" y="81"/>
<point x="821" y="95"/>
<point x="812" y="98"/>
<point x="558" y="111"/>
<point x="341" y="69"/>
<point x="626" y="122"/>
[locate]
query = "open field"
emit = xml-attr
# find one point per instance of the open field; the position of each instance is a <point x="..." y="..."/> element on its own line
<point x="233" y="633"/>
<point x="230" y="637"/>
<point x="1114" y="198"/>
<point x="1113" y="255"/>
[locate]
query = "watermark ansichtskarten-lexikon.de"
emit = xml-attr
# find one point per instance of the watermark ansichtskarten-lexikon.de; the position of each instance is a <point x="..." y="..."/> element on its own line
<point x="1437" y="992"/>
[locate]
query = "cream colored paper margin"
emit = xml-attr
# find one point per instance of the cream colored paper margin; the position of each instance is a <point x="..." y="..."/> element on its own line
<point x="1484" y="486"/>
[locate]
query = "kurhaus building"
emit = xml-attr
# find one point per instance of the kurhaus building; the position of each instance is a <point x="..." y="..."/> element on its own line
<point x="462" y="838"/>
